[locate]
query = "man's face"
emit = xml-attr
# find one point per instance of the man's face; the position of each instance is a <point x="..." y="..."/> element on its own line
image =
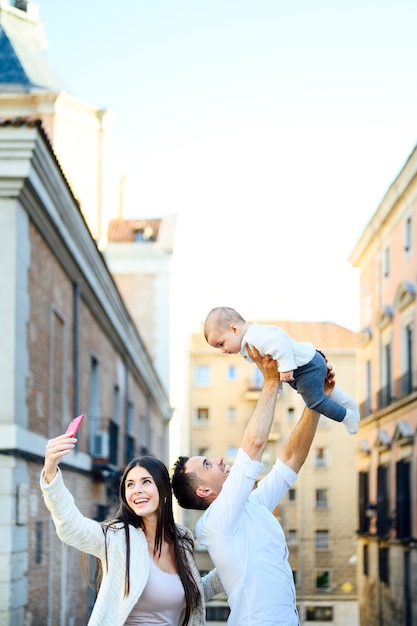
<point x="211" y="473"/>
<point x="228" y="341"/>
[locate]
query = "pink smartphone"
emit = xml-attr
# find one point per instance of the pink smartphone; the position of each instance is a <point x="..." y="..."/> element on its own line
<point x="74" y="426"/>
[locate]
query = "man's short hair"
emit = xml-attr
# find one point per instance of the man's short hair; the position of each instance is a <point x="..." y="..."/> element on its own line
<point x="184" y="485"/>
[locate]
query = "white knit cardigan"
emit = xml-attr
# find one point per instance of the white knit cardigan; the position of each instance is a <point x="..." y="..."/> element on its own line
<point x="112" y="607"/>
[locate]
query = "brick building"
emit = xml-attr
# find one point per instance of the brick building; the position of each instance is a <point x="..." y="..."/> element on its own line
<point x="69" y="346"/>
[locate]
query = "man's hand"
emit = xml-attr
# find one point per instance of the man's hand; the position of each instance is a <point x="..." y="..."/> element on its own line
<point x="330" y="382"/>
<point x="266" y="364"/>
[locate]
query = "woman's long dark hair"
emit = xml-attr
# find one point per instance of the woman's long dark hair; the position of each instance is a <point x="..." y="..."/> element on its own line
<point x="166" y="528"/>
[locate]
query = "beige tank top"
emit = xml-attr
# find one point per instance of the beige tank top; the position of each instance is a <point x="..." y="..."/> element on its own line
<point x="161" y="602"/>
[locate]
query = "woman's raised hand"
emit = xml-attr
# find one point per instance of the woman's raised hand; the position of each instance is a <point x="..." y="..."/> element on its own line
<point x="56" y="449"/>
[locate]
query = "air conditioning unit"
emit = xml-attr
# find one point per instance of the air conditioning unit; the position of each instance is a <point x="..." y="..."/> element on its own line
<point x="100" y="445"/>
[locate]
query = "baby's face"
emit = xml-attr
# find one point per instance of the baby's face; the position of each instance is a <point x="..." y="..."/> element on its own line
<point x="228" y="341"/>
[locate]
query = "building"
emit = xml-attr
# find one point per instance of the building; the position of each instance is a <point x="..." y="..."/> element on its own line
<point x="319" y="514"/>
<point x="387" y="455"/>
<point x="80" y="132"/>
<point x="138" y="254"/>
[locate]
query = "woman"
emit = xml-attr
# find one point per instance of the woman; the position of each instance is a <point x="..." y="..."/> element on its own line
<point x="148" y="573"/>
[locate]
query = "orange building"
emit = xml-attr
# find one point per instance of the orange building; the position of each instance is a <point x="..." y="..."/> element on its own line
<point x="387" y="454"/>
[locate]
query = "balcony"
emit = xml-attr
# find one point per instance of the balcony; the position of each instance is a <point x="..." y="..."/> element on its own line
<point x="400" y="389"/>
<point x="108" y="448"/>
<point x="104" y="443"/>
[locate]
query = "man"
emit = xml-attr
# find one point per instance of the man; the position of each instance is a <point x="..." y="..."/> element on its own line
<point x="244" y="539"/>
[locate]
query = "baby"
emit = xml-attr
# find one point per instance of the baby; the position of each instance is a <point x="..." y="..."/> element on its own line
<point x="300" y="364"/>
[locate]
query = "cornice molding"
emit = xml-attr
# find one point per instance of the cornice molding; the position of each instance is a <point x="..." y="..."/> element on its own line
<point x="406" y="294"/>
<point x="384" y="317"/>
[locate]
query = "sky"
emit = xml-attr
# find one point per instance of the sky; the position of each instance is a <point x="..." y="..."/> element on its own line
<point x="272" y="129"/>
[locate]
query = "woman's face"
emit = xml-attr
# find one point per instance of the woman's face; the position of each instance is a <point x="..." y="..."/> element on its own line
<point x="141" y="492"/>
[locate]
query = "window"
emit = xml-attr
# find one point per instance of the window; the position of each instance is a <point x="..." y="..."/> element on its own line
<point x="231" y="454"/>
<point x="144" y="435"/>
<point x="129" y="448"/>
<point x="113" y="443"/>
<point x="292" y="537"/>
<point x="231" y="414"/>
<point x="268" y="457"/>
<point x="322" y="541"/>
<point x="257" y="380"/>
<point x="144" y="235"/>
<point x="102" y="512"/>
<point x="129" y="438"/>
<point x="292" y="495"/>
<point x="138" y="235"/>
<point x="323" y="580"/>
<point x="366" y="560"/>
<point x="231" y="373"/>
<point x="319" y="613"/>
<point x="322" y="498"/>
<point x="202" y="416"/>
<point x="385" y="392"/>
<point x="383" y="562"/>
<point x="94" y="402"/>
<point x="383" y="521"/>
<point x="116" y="404"/>
<point x="408" y="342"/>
<point x="39" y="542"/>
<point x="290" y="414"/>
<point x="363" y="502"/>
<point x="403" y="518"/>
<point x="387" y="263"/>
<point x="202" y="376"/>
<point x="321" y="457"/>
<point x="408" y="234"/>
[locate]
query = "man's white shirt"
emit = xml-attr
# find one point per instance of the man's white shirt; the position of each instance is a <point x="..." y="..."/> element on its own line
<point x="247" y="544"/>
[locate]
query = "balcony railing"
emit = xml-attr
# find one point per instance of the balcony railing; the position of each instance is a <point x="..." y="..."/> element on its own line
<point x="108" y="447"/>
<point x="399" y="389"/>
